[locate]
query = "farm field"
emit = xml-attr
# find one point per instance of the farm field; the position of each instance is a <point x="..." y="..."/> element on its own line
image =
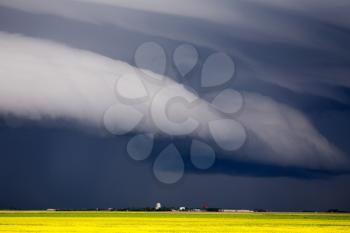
<point x="49" y="221"/>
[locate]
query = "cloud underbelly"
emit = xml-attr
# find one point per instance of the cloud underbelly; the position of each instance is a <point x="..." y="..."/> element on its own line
<point x="42" y="80"/>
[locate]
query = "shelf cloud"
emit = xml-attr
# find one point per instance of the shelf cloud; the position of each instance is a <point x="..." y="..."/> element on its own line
<point x="259" y="37"/>
<point x="43" y="80"/>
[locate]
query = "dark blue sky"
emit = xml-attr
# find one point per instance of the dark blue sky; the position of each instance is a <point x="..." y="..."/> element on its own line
<point x="291" y="66"/>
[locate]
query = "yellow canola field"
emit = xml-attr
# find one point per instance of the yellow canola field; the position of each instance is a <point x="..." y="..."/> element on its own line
<point x="45" y="221"/>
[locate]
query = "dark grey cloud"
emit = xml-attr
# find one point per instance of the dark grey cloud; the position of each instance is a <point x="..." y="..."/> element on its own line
<point x="290" y="54"/>
<point x="45" y="168"/>
<point x="59" y="82"/>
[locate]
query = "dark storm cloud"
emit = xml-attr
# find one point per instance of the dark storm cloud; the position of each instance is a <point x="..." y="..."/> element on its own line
<point x="300" y="48"/>
<point x="274" y="129"/>
<point x="46" y="168"/>
<point x="295" y="54"/>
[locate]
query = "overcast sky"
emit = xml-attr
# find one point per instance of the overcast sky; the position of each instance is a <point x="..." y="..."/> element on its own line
<point x="285" y="147"/>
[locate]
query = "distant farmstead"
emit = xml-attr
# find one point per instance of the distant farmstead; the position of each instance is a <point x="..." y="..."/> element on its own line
<point x="158" y="206"/>
<point x="235" y="211"/>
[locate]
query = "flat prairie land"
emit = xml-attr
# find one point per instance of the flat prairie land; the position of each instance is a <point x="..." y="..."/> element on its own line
<point x="90" y="221"/>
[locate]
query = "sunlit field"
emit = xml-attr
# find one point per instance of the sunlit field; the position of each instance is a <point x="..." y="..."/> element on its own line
<point x="46" y="221"/>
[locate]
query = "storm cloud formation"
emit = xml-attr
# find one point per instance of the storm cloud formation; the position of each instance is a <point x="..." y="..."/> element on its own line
<point x="291" y="68"/>
<point x="272" y="38"/>
<point x="56" y="82"/>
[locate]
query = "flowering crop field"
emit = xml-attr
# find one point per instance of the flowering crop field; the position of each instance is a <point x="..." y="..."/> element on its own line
<point x="89" y="221"/>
